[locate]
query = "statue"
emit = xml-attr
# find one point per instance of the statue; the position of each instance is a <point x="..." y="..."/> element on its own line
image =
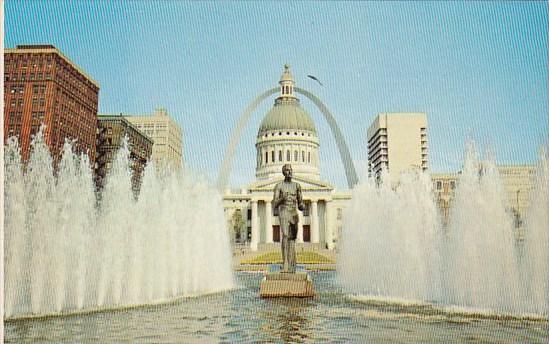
<point x="287" y="199"/>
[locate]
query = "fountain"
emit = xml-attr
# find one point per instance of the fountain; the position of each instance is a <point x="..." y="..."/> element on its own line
<point x="535" y="265"/>
<point x="481" y="263"/>
<point x="395" y="248"/>
<point x="65" y="251"/>
<point x="390" y="239"/>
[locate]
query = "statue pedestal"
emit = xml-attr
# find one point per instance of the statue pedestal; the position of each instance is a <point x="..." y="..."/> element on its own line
<point x="280" y="284"/>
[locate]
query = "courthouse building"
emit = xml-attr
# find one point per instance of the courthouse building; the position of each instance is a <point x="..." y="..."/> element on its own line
<point x="287" y="135"/>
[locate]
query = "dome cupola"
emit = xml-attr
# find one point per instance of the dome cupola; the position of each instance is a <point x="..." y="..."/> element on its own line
<point x="287" y="113"/>
<point x="287" y="134"/>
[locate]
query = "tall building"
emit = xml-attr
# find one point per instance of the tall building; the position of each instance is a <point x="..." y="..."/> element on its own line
<point x="398" y="142"/>
<point x="42" y="86"/>
<point x="286" y="135"/>
<point x="111" y="131"/>
<point x="166" y="134"/>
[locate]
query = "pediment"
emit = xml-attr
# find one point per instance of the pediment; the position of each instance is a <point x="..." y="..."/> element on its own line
<point x="306" y="184"/>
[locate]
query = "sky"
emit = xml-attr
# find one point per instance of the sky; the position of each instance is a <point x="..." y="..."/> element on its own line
<point x="480" y="70"/>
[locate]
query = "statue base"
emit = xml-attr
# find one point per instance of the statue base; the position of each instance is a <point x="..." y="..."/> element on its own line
<point x="281" y="284"/>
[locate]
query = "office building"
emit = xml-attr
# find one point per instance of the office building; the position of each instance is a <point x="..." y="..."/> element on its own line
<point x="166" y="134"/>
<point x="111" y="131"/>
<point x="398" y="142"/>
<point x="43" y="87"/>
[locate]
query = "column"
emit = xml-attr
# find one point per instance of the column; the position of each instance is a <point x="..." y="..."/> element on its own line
<point x="268" y="221"/>
<point x="314" y="222"/>
<point x="329" y="226"/>
<point x="300" y="227"/>
<point x="255" y="227"/>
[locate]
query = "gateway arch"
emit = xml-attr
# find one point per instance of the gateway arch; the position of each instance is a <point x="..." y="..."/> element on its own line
<point x="344" y="153"/>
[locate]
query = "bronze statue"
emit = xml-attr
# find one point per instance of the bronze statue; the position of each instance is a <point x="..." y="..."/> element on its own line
<point x="287" y="199"/>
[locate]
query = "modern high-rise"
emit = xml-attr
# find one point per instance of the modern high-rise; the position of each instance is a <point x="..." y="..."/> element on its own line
<point x="398" y="142"/>
<point x="42" y="86"/>
<point x="166" y="134"/>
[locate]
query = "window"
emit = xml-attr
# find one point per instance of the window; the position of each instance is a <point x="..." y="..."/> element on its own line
<point x="296" y="156"/>
<point x="339" y="213"/>
<point x="303" y="156"/>
<point x="266" y="157"/>
<point x="288" y="155"/>
<point x="309" y="157"/>
<point x="439" y="185"/>
<point x="279" y="155"/>
<point x="273" y="156"/>
<point x="452" y="185"/>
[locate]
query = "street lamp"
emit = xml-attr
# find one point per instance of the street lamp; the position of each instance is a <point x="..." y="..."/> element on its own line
<point x="517" y="213"/>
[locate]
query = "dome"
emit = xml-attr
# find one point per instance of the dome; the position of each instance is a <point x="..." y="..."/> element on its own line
<point x="287" y="115"/>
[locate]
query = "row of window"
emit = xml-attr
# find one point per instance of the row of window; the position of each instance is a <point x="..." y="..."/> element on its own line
<point x="36" y="65"/>
<point x="439" y="185"/>
<point x="16" y="102"/>
<point x="17" y="89"/>
<point x="16" y="117"/>
<point x="288" y="156"/>
<point x="36" y="101"/>
<point x="287" y="133"/>
<point x="24" y="59"/>
<point x="286" y="90"/>
<point x="152" y="125"/>
<point x="23" y="76"/>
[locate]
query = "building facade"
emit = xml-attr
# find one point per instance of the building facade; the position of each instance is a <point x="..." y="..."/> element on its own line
<point x="111" y="131"/>
<point x="166" y="134"/>
<point x="517" y="182"/>
<point x="43" y="87"/>
<point x="398" y="142"/>
<point x="444" y="186"/>
<point x="287" y="135"/>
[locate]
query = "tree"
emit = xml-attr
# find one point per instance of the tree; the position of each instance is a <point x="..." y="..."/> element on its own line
<point x="237" y="222"/>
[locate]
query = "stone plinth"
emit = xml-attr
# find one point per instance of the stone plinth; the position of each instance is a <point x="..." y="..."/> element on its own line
<point x="280" y="284"/>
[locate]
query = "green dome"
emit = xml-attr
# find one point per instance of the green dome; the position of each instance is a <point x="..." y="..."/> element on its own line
<point x="287" y="116"/>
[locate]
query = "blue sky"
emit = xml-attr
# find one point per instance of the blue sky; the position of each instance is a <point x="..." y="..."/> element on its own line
<point x="479" y="70"/>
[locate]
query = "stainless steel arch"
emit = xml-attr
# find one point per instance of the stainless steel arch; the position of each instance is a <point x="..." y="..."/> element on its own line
<point x="350" y="171"/>
<point x="227" y="163"/>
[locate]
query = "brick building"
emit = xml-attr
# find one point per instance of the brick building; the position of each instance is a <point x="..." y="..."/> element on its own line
<point x="111" y="131"/>
<point x="42" y="86"/>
